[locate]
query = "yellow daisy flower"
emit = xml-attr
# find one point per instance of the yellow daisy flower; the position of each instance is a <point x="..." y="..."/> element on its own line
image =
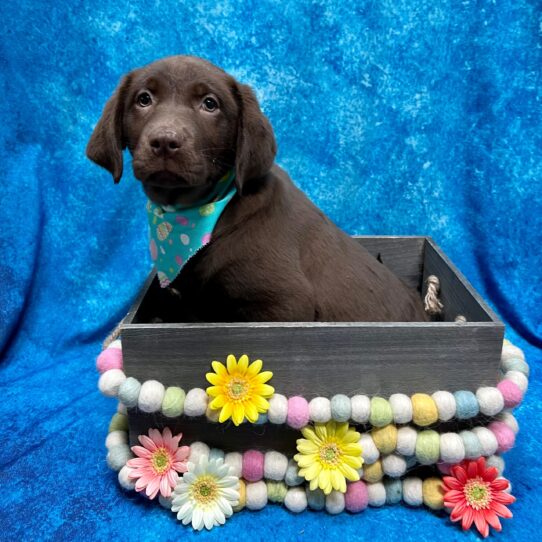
<point x="329" y="455"/>
<point x="239" y="390"/>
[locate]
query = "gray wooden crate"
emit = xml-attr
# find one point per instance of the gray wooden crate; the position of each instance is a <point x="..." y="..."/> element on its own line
<point x="325" y="358"/>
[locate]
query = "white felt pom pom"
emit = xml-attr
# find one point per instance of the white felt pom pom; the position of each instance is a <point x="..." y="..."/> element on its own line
<point x="115" y="438"/>
<point x="452" y="449"/>
<point x="509" y="419"/>
<point x="278" y="409"/>
<point x="295" y="499"/>
<point x="234" y="460"/>
<point x="369" y="451"/>
<point x="197" y="450"/>
<point x="518" y="378"/>
<point x="274" y="466"/>
<point x="151" y="396"/>
<point x="256" y="495"/>
<point x="413" y="491"/>
<point x="335" y="502"/>
<point x="361" y="408"/>
<point x="165" y="502"/>
<point x="115" y="344"/>
<point x="496" y="461"/>
<point x="292" y="477"/>
<point x="406" y="440"/>
<point x="121" y="409"/>
<point x="110" y="381"/>
<point x="377" y="494"/>
<point x="511" y="351"/>
<point x="125" y="481"/>
<point x="320" y="410"/>
<point x="446" y="406"/>
<point x="195" y="402"/>
<point x="490" y="400"/>
<point x="117" y="456"/>
<point x="394" y="465"/>
<point x="401" y="406"/>
<point x="487" y="439"/>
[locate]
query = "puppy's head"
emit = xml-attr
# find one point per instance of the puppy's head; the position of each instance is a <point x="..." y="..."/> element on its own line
<point x="186" y="123"/>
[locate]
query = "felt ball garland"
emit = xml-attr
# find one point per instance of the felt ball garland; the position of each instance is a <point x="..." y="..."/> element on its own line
<point x="422" y="410"/>
<point x="382" y="484"/>
<point x="397" y="434"/>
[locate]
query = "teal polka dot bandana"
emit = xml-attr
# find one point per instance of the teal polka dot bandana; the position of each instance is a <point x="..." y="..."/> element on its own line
<point x="177" y="233"/>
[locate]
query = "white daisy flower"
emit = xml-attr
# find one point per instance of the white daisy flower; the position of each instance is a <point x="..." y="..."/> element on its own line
<point x="205" y="494"/>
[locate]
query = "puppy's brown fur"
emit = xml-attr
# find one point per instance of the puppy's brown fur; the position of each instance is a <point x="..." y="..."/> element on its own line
<point x="274" y="255"/>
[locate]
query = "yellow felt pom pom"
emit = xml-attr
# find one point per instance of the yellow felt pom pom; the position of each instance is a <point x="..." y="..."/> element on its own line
<point x="424" y="409"/>
<point x="433" y="493"/>
<point x="242" y="496"/>
<point x="385" y="438"/>
<point x="373" y="473"/>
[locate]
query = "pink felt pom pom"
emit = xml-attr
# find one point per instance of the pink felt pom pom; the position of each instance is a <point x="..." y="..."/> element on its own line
<point x="298" y="412"/>
<point x="110" y="358"/>
<point x="356" y="498"/>
<point x="504" y="435"/>
<point x="253" y="461"/>
<point x="511" y="393"/>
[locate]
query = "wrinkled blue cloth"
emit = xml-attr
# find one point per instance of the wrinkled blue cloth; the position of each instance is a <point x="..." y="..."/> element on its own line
<point x="414" y="117"/>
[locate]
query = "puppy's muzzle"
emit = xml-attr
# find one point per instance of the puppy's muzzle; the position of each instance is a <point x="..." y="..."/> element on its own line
<point x="165" y="143"/>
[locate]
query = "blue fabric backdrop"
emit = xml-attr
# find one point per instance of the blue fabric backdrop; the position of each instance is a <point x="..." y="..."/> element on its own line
<point x="395" y="117"/>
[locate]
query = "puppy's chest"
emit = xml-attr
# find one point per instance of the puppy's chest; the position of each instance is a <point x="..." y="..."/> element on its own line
<point x="207" y="287"/>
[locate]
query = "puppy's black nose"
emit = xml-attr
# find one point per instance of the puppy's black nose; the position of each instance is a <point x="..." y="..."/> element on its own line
<point x="165" y="143"/>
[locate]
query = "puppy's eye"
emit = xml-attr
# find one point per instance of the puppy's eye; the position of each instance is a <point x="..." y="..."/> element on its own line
<point x="144" y="99"/>
<point x="209" y="104"/>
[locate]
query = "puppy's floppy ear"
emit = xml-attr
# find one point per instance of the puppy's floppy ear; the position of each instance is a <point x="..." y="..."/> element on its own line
<point x="256" y="146"/>
<point x="106" y="142"/>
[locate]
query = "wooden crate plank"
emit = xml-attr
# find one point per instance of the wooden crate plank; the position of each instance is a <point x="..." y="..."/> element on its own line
<point x="456" y="293"/>
<point x="313" y="360"/>
<point x="402" y="255"/>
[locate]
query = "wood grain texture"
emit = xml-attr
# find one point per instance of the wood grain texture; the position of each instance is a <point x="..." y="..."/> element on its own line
<point x="456" y="293"/>
<point x="226" y="437"/>
<point x="402" y="255"/>
<point x="325" y="359"/>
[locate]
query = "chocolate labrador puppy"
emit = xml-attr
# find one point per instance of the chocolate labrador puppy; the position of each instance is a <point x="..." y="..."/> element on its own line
<point x="274" y="255"/>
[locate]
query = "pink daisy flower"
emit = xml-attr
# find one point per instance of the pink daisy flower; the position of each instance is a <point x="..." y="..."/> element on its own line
<point x="158" y="462"/>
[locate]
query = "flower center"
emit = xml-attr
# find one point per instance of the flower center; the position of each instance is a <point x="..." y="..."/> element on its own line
<point x="330" y="454"/>
<point x="237" y="389"/>
<point x="161" y="461"/>
<point x="204" y="490"/>
<point x="478" y="493"/>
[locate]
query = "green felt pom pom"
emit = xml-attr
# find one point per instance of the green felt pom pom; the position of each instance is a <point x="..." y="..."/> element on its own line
<point x="173" y="402"/>
<point x="119" y="422"/>
<point x="276" y="491"/>
<point x="428" y="447"/>
<point x="381" y="412"/>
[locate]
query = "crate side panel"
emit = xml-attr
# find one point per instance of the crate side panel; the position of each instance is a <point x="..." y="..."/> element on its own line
<point x="401" y="255"/>
<point x="457" y="296"/>
<point x="323" y="360"/>
<point x="226" y="436"/>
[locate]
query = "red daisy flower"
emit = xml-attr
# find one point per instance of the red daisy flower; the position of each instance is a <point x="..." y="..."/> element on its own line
<point x="476" y="496"/>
